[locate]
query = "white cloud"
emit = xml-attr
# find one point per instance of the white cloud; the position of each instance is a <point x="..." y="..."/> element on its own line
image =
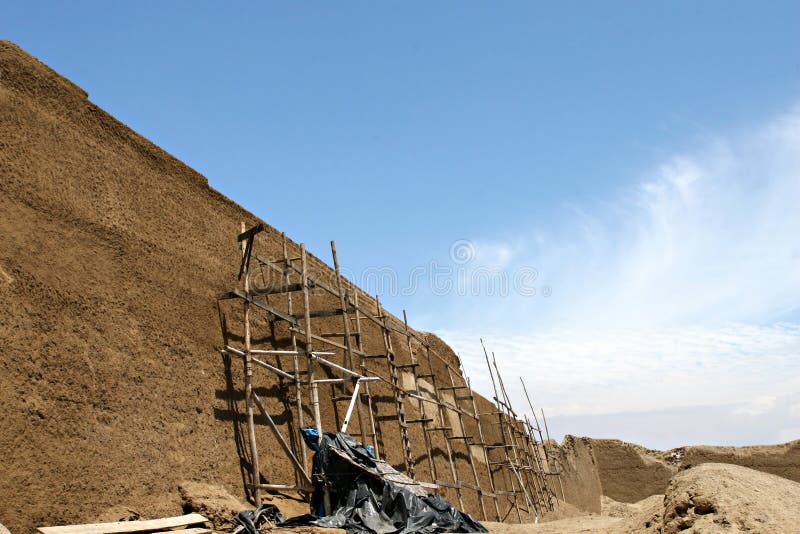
<point x="757" y="406"/>
<point x="578" y="372"/>
<point x="683" y="291"/>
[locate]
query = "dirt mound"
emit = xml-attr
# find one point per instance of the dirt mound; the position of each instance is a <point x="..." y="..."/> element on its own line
<point x="212" y="502"/>
<point x="730" y="498"/>
<point x="612" y="508"/>
<point x="710" y="498"/>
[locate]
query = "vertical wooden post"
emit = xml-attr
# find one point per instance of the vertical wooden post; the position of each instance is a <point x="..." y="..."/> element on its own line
<point x="423" y="415"/>
<point x="445" y="429"/>
<point x="248" y="385"/>
<point x="364" y="371"/>
<point x="348" y="352"/>
<point x="483" y="447"/>
<point x="295" y="360"/>
<point x="310" y="363"/>
<point x="465" y="441"/>
<point x="399" y="399"/>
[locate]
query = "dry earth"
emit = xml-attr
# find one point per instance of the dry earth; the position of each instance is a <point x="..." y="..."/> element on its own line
<point x="709" y="499"/>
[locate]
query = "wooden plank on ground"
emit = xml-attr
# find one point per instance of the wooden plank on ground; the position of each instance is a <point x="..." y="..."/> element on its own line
<point x="149" y="525"/>
<point x="196" y="530"/>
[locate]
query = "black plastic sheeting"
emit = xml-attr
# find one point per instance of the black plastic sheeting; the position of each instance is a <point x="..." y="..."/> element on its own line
<point x="364" y="499"/>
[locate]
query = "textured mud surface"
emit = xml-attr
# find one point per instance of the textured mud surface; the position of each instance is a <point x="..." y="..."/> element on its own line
<point x="113" y="389"/>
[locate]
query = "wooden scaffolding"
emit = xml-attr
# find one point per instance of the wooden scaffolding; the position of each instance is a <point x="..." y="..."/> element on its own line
<point x="276" y="293"/>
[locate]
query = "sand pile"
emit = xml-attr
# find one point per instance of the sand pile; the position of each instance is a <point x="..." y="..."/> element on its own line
<point x="730" y="498"/>
<point x="710" y="498"/>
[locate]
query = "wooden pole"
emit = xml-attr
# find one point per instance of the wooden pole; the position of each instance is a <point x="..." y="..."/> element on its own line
<point x="295" y="360"/>
<point x="483" y="447"/>
<point x="408" y="460"/>
<point x="310" y="365"/>
<point x="544" y="419"/>
<point x="446" y="430"/>
<point x="423" y="415"/>
<point x="348" y="352"/>
<point x="466" y="441"/>
<point x="543" y="465"/>
<point x="514" y="434"/>
<point x="299" y="468"/>
<point x="501" y="423"/>
<point x="518" y="450"/>
<point x="248" y="384"/>
<point x="364" y="371"/>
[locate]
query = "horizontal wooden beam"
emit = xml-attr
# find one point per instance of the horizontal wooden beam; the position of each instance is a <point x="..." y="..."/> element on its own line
<point x="165" y="523"/>
<point x="278" y="289"/>
<point x="238" y="293"/>
<point x="279" y="487"/>
<point x="247" y="234"/>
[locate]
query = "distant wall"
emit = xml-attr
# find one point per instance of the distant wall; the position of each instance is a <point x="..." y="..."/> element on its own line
<point x="580" y="479"/>
<point x="629" y="473"/>
<point x="782" y="460"/>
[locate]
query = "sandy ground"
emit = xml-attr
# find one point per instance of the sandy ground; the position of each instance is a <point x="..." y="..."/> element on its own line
<point x="709" y="499"/>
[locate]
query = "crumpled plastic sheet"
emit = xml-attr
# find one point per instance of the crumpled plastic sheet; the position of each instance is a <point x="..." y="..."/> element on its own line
<point x="363" y="501"/>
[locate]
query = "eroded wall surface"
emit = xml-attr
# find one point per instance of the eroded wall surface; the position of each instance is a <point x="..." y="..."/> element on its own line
<point x="113" y="389"/>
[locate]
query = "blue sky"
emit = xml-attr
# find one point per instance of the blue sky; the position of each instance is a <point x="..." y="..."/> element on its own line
<point x="606" y="191"/>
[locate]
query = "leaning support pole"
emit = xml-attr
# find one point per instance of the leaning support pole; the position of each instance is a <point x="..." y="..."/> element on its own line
<point x="514" y="432"/>
<point x="505" y="443"/>
<point x="300" y="469"/>
<point x="515" y="449"/>
<point x="544" y="466"/>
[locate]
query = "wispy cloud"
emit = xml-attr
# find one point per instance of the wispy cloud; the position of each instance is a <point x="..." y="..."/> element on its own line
<point x="579" y="372"/>
<point x="757" y="406"/>
<point x="682" y="291"/>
